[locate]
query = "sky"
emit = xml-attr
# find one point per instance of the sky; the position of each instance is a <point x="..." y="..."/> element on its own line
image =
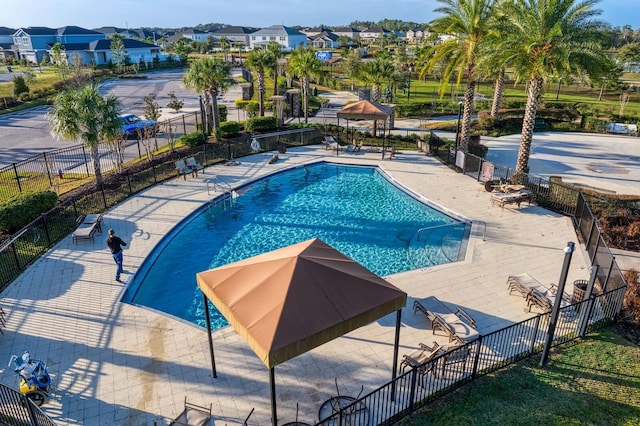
<point x="255" y="13"/>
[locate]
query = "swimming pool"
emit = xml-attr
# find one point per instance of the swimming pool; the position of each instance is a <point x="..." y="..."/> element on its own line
<point x="354" y="209"/>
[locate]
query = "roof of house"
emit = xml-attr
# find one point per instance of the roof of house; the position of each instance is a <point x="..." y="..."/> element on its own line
<point x="345" y="30"/>
<point x="73" y="30"/>
<point x="235" y="30"/>
<point x="34" y="31"/>
<point x="6" y="46"/>
<point x="111" y="30"/>
<point x="106" y="45"/>
<point x="277" y="30"/>
<point x="7" y="31"/>
<point x="325" y="35"/>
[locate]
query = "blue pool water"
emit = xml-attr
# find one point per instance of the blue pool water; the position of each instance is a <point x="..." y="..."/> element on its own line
<point x="354" y="209"/>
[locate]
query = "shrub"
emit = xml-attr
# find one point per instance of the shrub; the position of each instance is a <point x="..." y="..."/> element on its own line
<point x="19" y="86"/>
<point x="229" y="129"/>
<point x="222" y="112"/>
<point x="193" y="139"/>
<point x="260" y="124"/>
<point x="24" y="208"/>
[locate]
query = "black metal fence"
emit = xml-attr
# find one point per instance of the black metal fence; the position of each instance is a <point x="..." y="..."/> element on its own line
<point x="18" y="410"/>
<point x="441" y="375"/>
<point x="50" y="169"/>
<point x="38" y="236"/>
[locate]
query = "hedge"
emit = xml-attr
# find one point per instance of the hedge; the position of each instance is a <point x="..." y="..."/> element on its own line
<point x="19" y="211"/>
<point x="257" y="124"/>
<point x="229" y="129"/>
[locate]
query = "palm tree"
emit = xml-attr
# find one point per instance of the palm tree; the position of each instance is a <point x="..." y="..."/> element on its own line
<point x="467" y="22"/>
<point x="209" y="76"/>
<point x="544" y="38"/>
<point x="259" y="59"/>
<point x="379" y="71"/>
<point x="224" y="46"/>
<point x="304" y="64"/>
<point x="275" y="49"/>
<point x="88" y="117"/>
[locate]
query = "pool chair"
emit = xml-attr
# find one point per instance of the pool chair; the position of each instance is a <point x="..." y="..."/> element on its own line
<point x="458" y="326"/>
<point x="183" y="170"/>
<point x="534" y="292"/>
<point x="88" y="225"/>
<point x="193" y="415"/>
<point x="193" y="165"/>
<point x="420" y="356"/>
<point x="502" y="199"/>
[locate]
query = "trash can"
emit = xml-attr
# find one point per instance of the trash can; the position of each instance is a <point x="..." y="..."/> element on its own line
<point x="579" y="290"/>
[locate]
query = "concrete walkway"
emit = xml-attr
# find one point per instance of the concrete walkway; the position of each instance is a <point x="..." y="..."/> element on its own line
<point x="114" y="363"/>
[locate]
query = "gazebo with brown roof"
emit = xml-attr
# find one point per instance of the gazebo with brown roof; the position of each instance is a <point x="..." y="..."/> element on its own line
<point x="291" y="300"/>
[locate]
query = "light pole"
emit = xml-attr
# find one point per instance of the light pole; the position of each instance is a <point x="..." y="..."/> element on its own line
<point x="458" y="125"/>
<point x="555" y="311"/>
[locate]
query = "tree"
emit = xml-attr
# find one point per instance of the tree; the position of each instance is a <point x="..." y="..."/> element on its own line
<point x="183" y="47"/>
<point x="628" y="53"/>
<point x="88" y="117"/>
<point x="344" y="41"/>
<point x="118" y="52"/>
<point x="543" y="38"/>
<point x="259" y="59"/>
<point x="275" y="49"/>
<point x="175" y="104"/>
<point x="19" y="85"/>
<point x="209" y="76"/>
<point x="304" y="64"/>
<point x="224" y="46"/>
<point x="352" y="63"/>
<point x="378" y="72"/>
<point x="467" y="21"/>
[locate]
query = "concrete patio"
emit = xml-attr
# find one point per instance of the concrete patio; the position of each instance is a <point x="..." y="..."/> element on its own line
<point x="114" y="363"/>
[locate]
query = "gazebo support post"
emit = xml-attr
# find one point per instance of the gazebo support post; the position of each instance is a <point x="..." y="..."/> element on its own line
<point x="208" y="320"/>
<point x="272" y="383"/>
<point x="396" y="344"/>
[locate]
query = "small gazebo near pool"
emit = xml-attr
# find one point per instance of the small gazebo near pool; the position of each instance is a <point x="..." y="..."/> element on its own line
<point x="289" y="301"/>
<point x="367" y="110"/>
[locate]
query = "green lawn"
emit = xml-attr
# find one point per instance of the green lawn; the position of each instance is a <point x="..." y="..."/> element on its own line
<point x="593" y="381"/>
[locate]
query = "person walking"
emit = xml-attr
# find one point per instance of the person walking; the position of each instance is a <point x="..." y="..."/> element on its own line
<point x="115" y="244"/>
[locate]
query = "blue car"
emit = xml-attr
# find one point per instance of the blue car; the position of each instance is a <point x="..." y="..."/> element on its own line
<point x="132" y="123"/>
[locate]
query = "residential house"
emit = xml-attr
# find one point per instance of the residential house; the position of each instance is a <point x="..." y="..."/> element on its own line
<point x="88" y="45"/>
<point x="310" y="32"/>
<point x="324" y="40"/>
<point x="352" y="33"/>
<point x="140" y="33"/>
<point x="236" y="36"/>
<point x="99" y="51"/>
<point x="372" y="34"/>
<point x="7" y="49"/>
<point x="196" y="36"/>
<point x="287" y="37"/>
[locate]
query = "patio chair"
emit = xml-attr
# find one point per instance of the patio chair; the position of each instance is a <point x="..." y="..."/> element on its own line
<point x="88" y="225"/>
<point x="539" y="300"/>
<point x="192" y="415"/>
<point x="193" y="165"/>
<point x="523" y="284"/>
<point x="183" y="169"/>
<point x="420" y="356"/>
<point x="458" y="326"/>
<point x="502" y="199"/>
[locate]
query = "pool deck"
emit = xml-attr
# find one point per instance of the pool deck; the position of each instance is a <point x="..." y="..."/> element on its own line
<point x="114" y="363"/>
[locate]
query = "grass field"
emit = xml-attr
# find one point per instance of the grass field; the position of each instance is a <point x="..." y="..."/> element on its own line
<point x="593" y="381"/>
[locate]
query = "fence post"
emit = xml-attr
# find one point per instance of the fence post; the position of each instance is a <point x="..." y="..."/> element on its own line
<point x="606" y="280"/>
<point x="595" y="251"/>
<point x="75" y="208"/>
<point x="585" y="309"/>
<point x="412" y="391"/>
<point x="476" y="359"/>
<point x="86" y="162"/>
<point x="15" y="255"/>
<point x="46" y="228"/>
<point x="535" y="335"/>
<point x="184" y="126"/>
<point x="15" y="171"/>
<point x="46" y="167"/>
<point x="593" y="223"/>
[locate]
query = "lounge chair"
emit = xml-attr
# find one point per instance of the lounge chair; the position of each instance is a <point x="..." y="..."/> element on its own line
<point x="88" y="225"/>
<point x="183" y="169"/>
<point x="392" y="154"/>
<point x="458" y="326"/>
<point x="517" y="197"/>
<point x="330" y="143"/>
<point x="192" y="415"/>
<point x="534" y="292"/>
<point x="419" y="356"/>
<point x="193" y="165"/>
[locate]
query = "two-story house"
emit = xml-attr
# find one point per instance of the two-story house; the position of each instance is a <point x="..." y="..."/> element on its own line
<point x="89" y="46"/>
<point x="370" y="35"/>
<point x="289" y="38"/>
<point x="352" y="33"/>
<point x="6" y="44"/>
<point x="237" y="37"/>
